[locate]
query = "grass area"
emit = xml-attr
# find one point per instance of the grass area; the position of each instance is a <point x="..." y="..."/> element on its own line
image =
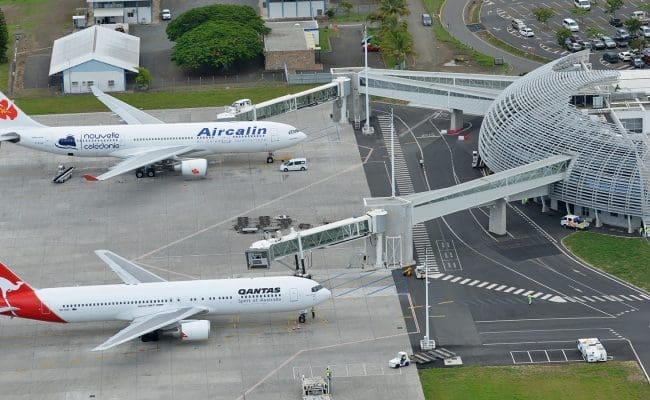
<point x="156" y="100"/>
<point x="496" y="42"/>
<point x="575" y="381"/>
<point x="484" y="60"/>
<point x="352" y="17"/>
<point x="625" y="258"/>
<point x="324" y="39"/>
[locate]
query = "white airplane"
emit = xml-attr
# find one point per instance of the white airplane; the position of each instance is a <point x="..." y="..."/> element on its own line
<point x="153" y="305"/>
<point x="146" y="144"/>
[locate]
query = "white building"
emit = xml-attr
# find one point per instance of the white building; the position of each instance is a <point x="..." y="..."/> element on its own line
<point x="294" y="8"/>
<point x="113" y="12"/>
<point x="95" y="56"/>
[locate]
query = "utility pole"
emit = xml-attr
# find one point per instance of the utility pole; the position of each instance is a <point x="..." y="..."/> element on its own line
<point x="13" y="62"/>
<point x="392" y="154"/>
<point x="426" y="343"/>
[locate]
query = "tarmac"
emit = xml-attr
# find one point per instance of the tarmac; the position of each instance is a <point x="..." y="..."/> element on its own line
<point x="183" y="229"/>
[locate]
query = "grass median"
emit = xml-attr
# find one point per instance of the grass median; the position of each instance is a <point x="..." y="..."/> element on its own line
<point x="69" y="104"/>
<point x="623" y="257"/>
<point x="575" y="381"/>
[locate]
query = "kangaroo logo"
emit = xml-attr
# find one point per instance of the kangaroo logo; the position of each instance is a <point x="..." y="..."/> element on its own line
<point x="67" y="142"/>
<point x="7" y="110"/>
<point x="6" y="286"/>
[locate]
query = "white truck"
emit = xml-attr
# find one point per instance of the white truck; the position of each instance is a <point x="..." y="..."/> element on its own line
<point x="641" y="16"/>
<point x="592" y="350"/>
<point x="574" y="222"/>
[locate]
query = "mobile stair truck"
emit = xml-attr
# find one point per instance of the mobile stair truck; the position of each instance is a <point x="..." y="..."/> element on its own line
<point x="592" y="350"/>
<point x="574" y="221"/>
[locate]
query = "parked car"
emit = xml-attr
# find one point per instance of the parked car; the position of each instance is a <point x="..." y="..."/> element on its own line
<point x="573" y="46"/>
<point x="597" y="44"/>
<point x="426" y="19"/>
<point x="166" y="14"/>
<point x="518" y="24"/>
<point x="611" y="58"/>
<point x="570" y="24"/>
<point x="637" y="62"/>
<point x="622" y="33"/>
<point x="526" y="32"/>
<point x="584" y="4"/>
<point x="613" y="21"/>
<point x="625" y="56"/>
<point x="644" y="31"/>
<point x="371" y="47"/>
<point x="620" y="42"/>
<point x="609" y="42"/>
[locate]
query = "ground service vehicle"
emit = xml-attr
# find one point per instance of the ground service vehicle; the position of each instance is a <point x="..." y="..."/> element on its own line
<point x="295" y="164"/>
<point x="402" y="360"/>
<point x="592" y="350"/>
<point x="641" y="16"/>
<point x="570" y="24"/>
<point x="574" y="221"/>
<point x="584" y="4"/>
<point x="426" y="19"/>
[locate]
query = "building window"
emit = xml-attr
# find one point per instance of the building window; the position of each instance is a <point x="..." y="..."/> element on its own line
<point x="613" y="214"/>
<point x="634" y="125"/>
<point x="90" y="83"/>
<point x="75" y="83"/>
<point x="111" y="83"/>
<point x="130" y="14"/>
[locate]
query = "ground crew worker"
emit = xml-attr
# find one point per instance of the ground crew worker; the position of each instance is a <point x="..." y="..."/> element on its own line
<point x="313" y="313"/>
<point x="421" y="163"/>
<point x="328" y="374"/>
<point x="530" y="298"/>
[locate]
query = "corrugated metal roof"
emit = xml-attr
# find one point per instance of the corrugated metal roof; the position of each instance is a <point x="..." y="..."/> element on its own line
<point x="96" y="43"/>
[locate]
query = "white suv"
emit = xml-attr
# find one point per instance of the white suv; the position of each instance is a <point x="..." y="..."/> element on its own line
<point x="570" y="24"/>
<point x="166" y="14"/>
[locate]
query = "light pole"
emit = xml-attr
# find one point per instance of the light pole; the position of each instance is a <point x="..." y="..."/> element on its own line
<point x="13" y="62"/>
<point x="367" y="129"/>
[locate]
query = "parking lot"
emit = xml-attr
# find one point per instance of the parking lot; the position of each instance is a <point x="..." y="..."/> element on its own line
<point x="497" y="16"/>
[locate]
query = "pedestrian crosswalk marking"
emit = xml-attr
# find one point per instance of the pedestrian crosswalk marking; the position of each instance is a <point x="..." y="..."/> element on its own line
<point x="483" y="284"/>
<point x="634" y="297"/>
<point x="546" y="296"/>
<point x="465" y="281"/>
<point x="448" y="277"/>
<point x="519" y="291"/>
<point x="500" y="288"/>
<point x="536" y="295"/>
<point x="492" y="286"/>
<point x="510" y="289"/>
<point x="456" y="279"/>
<point x="474" y="282"/>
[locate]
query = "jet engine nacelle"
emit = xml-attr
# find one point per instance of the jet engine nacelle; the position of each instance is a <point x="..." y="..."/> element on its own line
<point x="197" y="167"/>
<point x="194" y="330"/>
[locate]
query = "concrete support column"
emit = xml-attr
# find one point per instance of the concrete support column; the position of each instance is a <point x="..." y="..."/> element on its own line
<point x="456" y="120"/>
<point x="544" y="206"/>
<point x="599" y="223"/>
<point x="554" y="204"/>
<point x="344" y="109"/>
<point x="629" y="225"/>
<point x="497" y="223"/>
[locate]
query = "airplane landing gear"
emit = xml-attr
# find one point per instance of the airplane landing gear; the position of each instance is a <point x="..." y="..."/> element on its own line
<point x="269" y="159"/>
<point x="149" y="171"/>
<point x="302" y="317"/>
<point x="150" y="337"/>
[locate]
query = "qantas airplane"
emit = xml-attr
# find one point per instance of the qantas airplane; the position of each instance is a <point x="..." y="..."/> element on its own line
<point x="154" y="306"/>
<point x="146" y="144"/>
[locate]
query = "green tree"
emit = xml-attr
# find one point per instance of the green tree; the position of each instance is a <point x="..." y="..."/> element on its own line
<point x="579" y="13"/>
<point x="638" y="43"/>
<point x="543" y="14"/>
<point x="4" y="38"/>
<point x="393" y="7"/>
<point x="397" y="44"/>
<point x="613" y="6"/>
<point x="143" y="78"/>
<point x="632" y="25"/>
<point x="392" y="23"/>
<point x="346" y="6"/>
<point x="645" y="7"/>
<point x="593" y="32"/>
<point x="217" y="44"/>
<point x="223" y="13"/>
<point x="562" y="34"/>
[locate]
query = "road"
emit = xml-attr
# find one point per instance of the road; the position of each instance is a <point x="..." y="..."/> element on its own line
<point x="478" y="299"/>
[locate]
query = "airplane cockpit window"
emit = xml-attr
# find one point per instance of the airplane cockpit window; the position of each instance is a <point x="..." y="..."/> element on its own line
<point x="292" y="131"/>
<point x="316" y="288"/>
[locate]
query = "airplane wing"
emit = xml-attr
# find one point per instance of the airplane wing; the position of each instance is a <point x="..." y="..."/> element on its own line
<point x="141" y="159"/>
<point x="128" y="113"/>
<point x="149" y="323"/>
<point x="129" y="272"/>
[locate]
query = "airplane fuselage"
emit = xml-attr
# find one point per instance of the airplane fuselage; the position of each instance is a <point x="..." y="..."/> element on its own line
<point x="206" y="138"/>
<point x="127" y="302"/>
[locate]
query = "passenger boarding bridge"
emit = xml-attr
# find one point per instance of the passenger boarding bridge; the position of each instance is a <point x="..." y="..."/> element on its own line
<point x="387" y="225"/>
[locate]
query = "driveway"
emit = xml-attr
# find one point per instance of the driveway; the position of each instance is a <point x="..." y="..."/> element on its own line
<point x="347" y="51"/>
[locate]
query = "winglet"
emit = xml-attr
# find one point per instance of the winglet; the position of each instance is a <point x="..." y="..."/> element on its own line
<point x="90" y="178"/>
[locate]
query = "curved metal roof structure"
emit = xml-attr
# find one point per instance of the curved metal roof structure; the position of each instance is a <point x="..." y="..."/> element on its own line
<point x="533" y="119"/>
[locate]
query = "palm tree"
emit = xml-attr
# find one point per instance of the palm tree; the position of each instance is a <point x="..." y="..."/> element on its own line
<point x="398" y="44"/>
<point x="393" y="7"/>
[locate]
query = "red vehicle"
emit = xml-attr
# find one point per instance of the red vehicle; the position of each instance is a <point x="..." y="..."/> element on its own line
<point x="371" y="47"/>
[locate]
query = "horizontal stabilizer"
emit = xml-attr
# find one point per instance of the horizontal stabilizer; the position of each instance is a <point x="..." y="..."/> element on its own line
<point x="90" y="178"/>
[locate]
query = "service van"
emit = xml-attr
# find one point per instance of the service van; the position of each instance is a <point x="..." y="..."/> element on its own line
<point x="584" y="4"/>
<point x="570" y="24"/>
<point x="518" y="24"/>
<point x="294" y="164"/>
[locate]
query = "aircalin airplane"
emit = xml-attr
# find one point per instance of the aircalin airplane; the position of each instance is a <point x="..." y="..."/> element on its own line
<point x="145" y="143"/>
<point x="154" y="306"/>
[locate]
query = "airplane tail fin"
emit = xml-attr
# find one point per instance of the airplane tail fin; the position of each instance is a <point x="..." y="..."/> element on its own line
<point x="7" y="277"/>
<point x="13" y="117"/>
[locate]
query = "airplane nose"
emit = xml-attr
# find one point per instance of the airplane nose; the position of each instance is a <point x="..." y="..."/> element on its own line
<point x="302" y="136"/>
<point x="326" y="294"/>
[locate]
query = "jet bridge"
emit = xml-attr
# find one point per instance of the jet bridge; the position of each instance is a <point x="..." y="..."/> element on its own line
<point x="263" y="252"/>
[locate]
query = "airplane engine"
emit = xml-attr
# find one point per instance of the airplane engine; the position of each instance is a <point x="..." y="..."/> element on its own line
<point x="193" y="330"/>
<point x="197" y="167"/>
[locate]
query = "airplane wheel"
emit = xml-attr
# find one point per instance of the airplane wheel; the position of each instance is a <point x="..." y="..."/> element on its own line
<point x="302" y="318"/>
<point x="139" y="173"/>
<point x="151" y="173"/>
<point x="269" y="160"/>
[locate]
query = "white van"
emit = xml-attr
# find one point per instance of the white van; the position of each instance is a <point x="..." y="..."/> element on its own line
<point x="295" y="164"/>
<point x="518" y="24"/>
<point x="584" y="4"/>
<point x="570" y="24"/>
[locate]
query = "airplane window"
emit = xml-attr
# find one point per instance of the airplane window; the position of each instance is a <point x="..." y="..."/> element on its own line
<point x="316" y="288"/>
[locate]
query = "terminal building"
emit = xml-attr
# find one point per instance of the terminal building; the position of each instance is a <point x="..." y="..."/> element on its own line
<point x="601" y="117"/>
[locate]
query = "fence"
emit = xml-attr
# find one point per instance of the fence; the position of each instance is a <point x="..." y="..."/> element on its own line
<point x="308" y="78"/>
